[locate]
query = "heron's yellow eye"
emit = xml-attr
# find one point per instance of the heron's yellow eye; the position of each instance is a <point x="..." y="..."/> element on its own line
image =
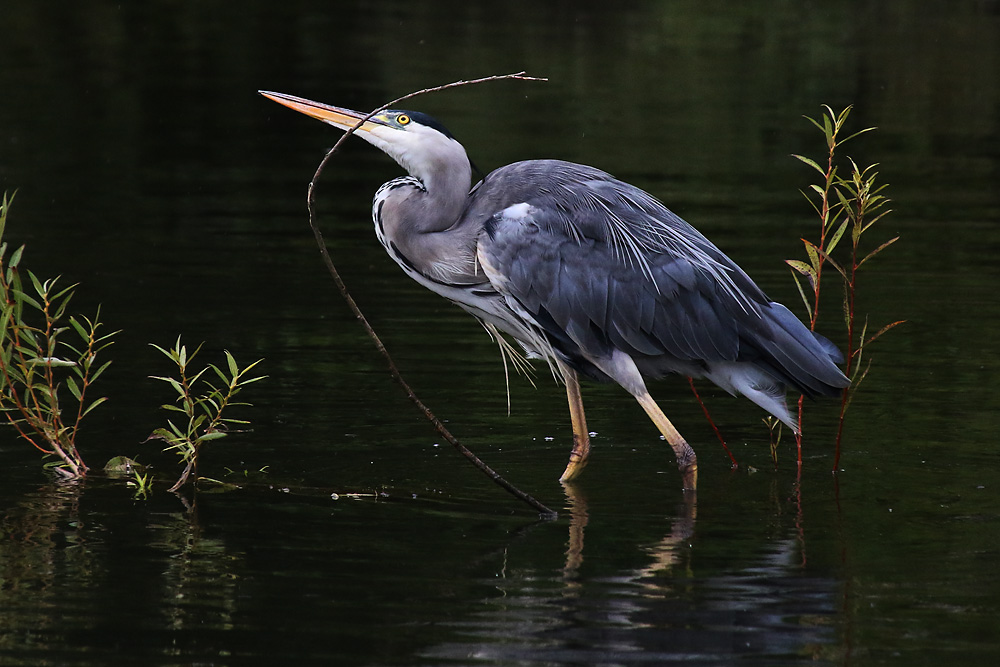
<point x="403" y="119"/>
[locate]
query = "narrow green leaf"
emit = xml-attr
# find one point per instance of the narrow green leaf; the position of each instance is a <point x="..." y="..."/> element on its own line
<point x="74" y="388"/>
<point x="875" y="219"/>
<point x="802" y="267"/>
<point x="65" y="290"/>
<point x="222" y="376"/>
<point x="859" y="132"/>
<point x="884" y="330"/>
<point x="829" y="260"/>
<point x="234" y="370"/>
<point x="97" y="373"/>
<point x="164" y="352"/>
<point x="104" y="343"/>
<point x="214" y="391"/>
<point x="108" y="335"/>
<point x="197" y="376"/>
<point x="811" y="163"/>
<point x="834" y="178"/>
<point x="836" y="236"/>
<point x="877" y="250"/>
<point x="176" y="431"/>
<point x="172" y="382"/>
<point x="72" y="348"/>
<point x="813" y="253"/>
<point x="814" y="122"/>
<point x="21" y="297"/>
<point x="160" y="434"/>
<point x="802" y="293"/>
<point x="94" y="405"/>
<point x="812" y="203"/>
<point x="15" y="257"/>
<point x="40" y="289"/>
<point x="846" y="203"/>
<point x="27" y="337"/>
<point x="248" y="368"/>
<point x="861" y="338"/>
<point x="214" y="435"/>
<point x="856" y="382"/>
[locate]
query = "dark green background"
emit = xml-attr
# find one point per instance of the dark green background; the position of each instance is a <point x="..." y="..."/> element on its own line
<point x="148" y="170"/>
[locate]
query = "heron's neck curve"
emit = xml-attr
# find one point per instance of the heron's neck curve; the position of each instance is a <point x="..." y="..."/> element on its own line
<point x="419" y="221"/>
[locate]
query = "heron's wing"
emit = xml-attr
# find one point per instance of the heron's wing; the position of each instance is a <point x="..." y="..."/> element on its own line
<point x="602" y="265"/>
<point x="605" y="265"/>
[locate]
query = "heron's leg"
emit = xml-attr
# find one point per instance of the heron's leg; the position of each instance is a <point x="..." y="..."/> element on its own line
<point x="581" y="437"/>
<point x="621" y="368"/>
<point x="687" y="462"/>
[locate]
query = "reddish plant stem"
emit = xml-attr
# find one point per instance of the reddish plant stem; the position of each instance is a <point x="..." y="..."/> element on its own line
<point x="850" y="337"/>
<point x="798" y="434"/>
<point x="34" y="412"/>
<point x="800" y="531"/>
<point x="84" y="385"/>
<point x="6" y="373"/>
<point x="823" y="225"/>
<point x="824" y="220"/>
<point x="711" y="423"/>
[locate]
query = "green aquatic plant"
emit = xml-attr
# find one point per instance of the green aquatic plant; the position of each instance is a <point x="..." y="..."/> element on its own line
<point x="141" y="483"/>
<point x="853" y="203"/>
<point x="48" y="361"/>
<point x="774" y="429"/>
<point x="202" y="399"/>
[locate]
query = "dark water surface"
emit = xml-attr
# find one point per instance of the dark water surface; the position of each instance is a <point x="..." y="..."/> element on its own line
<point x="148" y="170"/>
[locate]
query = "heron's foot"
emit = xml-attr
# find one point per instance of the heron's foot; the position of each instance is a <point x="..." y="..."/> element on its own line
<point x="689" y="476"/>
<point x="687" y="463"/>
<point x="577" y="458"/>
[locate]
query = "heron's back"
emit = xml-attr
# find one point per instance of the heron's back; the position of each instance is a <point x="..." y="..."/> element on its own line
<point x="600" y="265"/>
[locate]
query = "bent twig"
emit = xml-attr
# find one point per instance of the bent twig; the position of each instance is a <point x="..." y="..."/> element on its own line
<point x="342" y="288"/>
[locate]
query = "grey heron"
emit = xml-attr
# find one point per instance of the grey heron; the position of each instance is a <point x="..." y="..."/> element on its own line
<point x="592" y="274"/>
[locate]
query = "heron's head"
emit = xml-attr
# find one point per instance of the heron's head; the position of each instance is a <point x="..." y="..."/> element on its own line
<point x="418" y="142"/>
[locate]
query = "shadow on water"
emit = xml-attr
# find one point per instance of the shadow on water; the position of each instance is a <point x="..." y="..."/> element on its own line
<point x="62" y="547"/>
<point x="296" y="576"/>
<point x="650" y="614"/>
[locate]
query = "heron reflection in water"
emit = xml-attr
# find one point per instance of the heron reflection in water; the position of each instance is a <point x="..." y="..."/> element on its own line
<point x="589" y="273"/>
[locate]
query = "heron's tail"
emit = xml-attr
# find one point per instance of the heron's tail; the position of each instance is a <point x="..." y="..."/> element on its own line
<point x="798" y="357"/>
<point x="781" y="352"/>
<point x="746" y="379"/>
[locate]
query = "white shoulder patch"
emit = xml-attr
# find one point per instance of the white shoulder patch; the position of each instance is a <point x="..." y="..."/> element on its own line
<point x="517" y="212"/>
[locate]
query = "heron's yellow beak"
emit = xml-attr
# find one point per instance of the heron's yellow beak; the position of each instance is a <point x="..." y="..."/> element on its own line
<point x="345" y="119"/>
